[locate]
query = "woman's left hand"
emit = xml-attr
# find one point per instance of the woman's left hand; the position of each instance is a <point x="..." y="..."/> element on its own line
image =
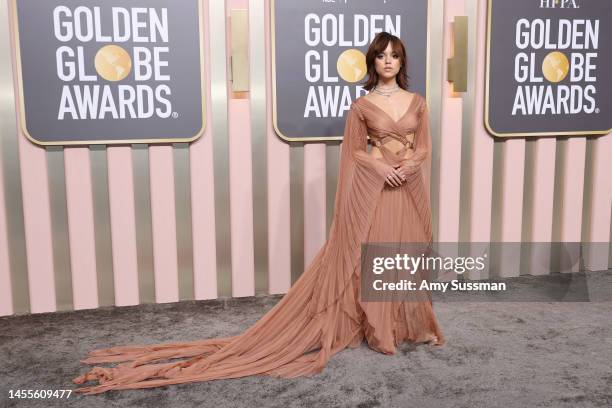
<point x="407" y="168"/>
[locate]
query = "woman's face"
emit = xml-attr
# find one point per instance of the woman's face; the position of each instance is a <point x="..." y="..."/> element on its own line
<point x="388" y="62"/>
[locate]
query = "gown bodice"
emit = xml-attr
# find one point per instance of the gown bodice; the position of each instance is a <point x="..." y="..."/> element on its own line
<point x="382" y="128"/>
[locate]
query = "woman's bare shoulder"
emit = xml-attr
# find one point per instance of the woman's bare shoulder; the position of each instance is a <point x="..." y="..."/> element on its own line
<point x="418" y="95"/>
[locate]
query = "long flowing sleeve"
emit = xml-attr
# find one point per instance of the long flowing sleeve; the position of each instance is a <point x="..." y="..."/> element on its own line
<point x="419" y="168"/>
<point x="422" y="152"/>
<point x="355" y="142"/>
<point x="361" y="179"/>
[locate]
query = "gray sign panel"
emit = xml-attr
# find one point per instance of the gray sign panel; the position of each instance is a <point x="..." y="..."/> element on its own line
<point x="319" y="58"/>
<point x="110" y="71"/>
<point x="548" y="67"/>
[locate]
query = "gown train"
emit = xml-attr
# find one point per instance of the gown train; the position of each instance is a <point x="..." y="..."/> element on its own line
<point x="322" y="312"/>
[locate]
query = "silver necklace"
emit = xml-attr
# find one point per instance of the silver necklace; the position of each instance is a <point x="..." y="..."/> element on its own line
<point x="386" y="91"/>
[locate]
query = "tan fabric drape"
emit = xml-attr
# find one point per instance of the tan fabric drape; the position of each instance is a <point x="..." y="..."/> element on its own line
<point x="322" y="313"/>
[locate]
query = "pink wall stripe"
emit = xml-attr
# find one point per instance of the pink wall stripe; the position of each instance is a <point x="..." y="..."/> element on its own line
<point x="601" y="203"/>
<point x="163" y="215"/>
<point x="37" y="220"/>
<point x="542" y="204"/>
<point x="279" y="237"/>
<point x="203" y="216"/>
<point x="241" y="198"/>
<point x="123" y="225"/>
<point x="450" y="170"/>
<point x="450" y="142"/>
<point x="573" y="160"/>
<point x="79" y="200"/>
<point x="279" y="215"/>
<point x="240" y="178"/>
<point x="482" y="147"/>
<point x="203" y="193"/>
<point x="315" y="226"/>
<point x="512" y="179"/>
<point x="512" y="182"/>
<point x="36" y="212"/>
<point x="6" y="294"/>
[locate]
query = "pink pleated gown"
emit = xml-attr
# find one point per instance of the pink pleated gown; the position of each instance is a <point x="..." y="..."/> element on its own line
<point x="322" y="313"/>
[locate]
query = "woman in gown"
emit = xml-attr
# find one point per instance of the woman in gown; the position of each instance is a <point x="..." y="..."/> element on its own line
<point x="378" y="199"/>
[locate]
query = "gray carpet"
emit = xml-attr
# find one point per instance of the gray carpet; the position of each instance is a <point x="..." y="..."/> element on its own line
<point x="498" y="354"/>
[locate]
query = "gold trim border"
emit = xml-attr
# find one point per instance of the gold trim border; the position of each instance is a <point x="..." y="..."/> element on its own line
<point x="21" y="110"/>
<point x="326" y="138"/>
<point x="486" y="100"/>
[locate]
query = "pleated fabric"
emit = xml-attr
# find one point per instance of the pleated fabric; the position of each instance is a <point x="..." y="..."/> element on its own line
<point x="322" y="313"/>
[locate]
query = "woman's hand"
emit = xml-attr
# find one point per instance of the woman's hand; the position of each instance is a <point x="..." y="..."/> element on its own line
<point x="407" y="169"/>
<point x="394" y="178"/>
<point x="391" y="174"/>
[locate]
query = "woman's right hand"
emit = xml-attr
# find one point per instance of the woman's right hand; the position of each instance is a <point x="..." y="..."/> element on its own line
<point x="391" y="174"/>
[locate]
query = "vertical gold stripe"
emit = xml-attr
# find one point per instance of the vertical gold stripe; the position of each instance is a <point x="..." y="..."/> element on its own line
<point x="102" y="229"/>
<point x="184" y="243"/>
<point x="560" y="152"/>
<point x="590" y="248"/>
<point x="528" y="185"/>
<point x="332" y="157"/>
<point x="219" y="104"/>
<point x="296" y="200"/>
<point x="587" y="196"/>
<point x="12" y="176"/>
<point x="498" y="190"/>
<point x="144" y="232"/>
<point x="59" y="227"/>
<point x="258" y="84"/>
<point x="497" y="200"/>
<point x="528" y="200"/>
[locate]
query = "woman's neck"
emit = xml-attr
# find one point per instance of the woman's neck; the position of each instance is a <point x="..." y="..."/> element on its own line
<point x="386" y="83"/>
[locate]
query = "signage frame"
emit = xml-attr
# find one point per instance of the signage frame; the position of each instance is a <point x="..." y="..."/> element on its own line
<point x="333" y="138"/>
<point x="486" y="100"/>
<point x="14" y="29"/>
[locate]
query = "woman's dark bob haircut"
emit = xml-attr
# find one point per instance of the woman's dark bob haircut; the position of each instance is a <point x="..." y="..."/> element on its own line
<point x="378" y="46"/>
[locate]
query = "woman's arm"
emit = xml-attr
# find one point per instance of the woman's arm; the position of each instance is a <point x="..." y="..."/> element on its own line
<point x="355" y="140"/>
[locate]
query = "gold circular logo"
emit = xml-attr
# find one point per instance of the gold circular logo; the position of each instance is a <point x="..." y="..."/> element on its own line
<point x="555" y="66"/>
<point x="351" y="65"/>
<point x="113" y="63"/>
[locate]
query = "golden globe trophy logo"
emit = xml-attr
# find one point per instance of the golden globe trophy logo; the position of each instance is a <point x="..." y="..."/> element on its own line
<point x="545" y="67"/>
<point x="96" y="72"/>
<point x="319" y="61"/>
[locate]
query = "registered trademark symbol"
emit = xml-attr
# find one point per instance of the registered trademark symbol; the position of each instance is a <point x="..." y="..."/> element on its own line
<point x="175" y="115"/>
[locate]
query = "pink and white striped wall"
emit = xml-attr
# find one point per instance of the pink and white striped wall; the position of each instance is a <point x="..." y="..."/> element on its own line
<point x="197" y="226"/>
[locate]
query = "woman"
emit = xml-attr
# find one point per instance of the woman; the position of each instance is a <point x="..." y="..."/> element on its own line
<point x="381" y="196"/>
